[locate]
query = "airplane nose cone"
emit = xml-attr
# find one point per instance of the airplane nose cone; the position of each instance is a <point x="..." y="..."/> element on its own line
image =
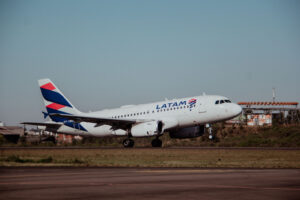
<point x="237" y="110"/>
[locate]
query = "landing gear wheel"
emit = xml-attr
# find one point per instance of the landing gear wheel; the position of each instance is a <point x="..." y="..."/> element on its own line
<point x="128" y="143"/>
<point x="210" y="131"/>
<point x="156" y="143"/>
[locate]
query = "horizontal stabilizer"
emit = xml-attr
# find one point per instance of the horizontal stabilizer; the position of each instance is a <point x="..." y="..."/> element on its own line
<point x="50" y="126"/>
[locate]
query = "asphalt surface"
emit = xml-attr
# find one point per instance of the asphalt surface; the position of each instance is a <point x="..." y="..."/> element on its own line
<point x="210" y="148"/>
<point x="148" y="183"/>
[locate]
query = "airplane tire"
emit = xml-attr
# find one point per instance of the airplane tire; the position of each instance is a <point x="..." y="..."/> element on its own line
<point x="128" y="143"/>
<point x="156" y="143"/>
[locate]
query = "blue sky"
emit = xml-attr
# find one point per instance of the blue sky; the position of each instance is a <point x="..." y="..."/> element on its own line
<point x="103" y="54"/>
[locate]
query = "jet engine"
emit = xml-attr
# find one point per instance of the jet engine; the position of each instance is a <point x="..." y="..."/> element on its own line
<point x="147" y="129"/>
<point x="189" y="132"/>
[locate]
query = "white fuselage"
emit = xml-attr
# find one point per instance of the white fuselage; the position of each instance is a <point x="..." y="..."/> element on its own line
<point x="174" y="113"/>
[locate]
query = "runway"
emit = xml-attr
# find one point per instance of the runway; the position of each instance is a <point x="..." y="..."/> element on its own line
<point x="183" y="148"/>
<point x="148" y="183"/>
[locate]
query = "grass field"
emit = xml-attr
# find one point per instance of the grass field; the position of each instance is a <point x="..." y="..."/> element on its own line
<point x="166" y="157"/>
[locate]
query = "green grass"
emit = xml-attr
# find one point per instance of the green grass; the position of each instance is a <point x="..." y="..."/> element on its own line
<point x="17" y="159"/>
<point x="288" y="136"/>
<point x="215" y="158"/>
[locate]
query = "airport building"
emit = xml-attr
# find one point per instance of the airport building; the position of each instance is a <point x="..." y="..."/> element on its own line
<point x="267" y="113"/>
<point x="11" y="133"/>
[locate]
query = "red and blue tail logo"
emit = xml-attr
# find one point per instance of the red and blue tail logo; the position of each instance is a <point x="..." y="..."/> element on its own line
<point x="51" y="94"/>
<point x="56" y="102"/>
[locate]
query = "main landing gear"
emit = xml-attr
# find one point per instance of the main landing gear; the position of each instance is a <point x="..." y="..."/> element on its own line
<point x="156" y="142"/>
<point x="128" y="143"/>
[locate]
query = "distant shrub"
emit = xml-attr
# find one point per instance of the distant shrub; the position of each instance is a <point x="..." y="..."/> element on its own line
<point x="17" y="159"/>
<point x="2" y="140"/>
<point x="77" y="161"/>
<point x="45" y="160"/>
<point x="14" y="158"/>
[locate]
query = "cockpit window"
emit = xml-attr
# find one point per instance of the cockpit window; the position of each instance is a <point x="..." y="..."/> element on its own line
<point x="222" y="101"/>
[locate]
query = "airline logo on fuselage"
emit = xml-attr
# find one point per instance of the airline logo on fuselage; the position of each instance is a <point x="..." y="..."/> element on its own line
<point x="191" y="103"/>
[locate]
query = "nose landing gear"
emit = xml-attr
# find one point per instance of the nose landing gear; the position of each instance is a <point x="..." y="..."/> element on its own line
<point x="210" y="131"/>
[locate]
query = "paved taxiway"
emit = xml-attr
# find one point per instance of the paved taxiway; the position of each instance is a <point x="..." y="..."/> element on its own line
<point x="148" y="183"/>
<point x="183" y="148"/>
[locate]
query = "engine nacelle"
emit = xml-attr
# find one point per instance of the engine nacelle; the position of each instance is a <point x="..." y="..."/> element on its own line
<point x="146" y="129"/>
<point x="189" y="132"/>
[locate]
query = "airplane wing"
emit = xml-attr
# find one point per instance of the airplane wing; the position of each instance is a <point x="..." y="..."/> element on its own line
<point x="50" y="126"/>
<point x="99" y="121"/>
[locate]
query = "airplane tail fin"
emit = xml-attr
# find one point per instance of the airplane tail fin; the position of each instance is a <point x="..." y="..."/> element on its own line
<point x="55" y="101"/>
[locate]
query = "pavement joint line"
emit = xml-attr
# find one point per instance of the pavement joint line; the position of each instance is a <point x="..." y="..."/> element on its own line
<point x="164" y="184"/>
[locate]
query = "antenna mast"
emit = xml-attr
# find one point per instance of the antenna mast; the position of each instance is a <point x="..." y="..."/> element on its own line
<point x="273" y="89"/>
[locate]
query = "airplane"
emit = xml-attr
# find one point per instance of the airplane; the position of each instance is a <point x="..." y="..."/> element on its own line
<point x="181" y="118"/>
